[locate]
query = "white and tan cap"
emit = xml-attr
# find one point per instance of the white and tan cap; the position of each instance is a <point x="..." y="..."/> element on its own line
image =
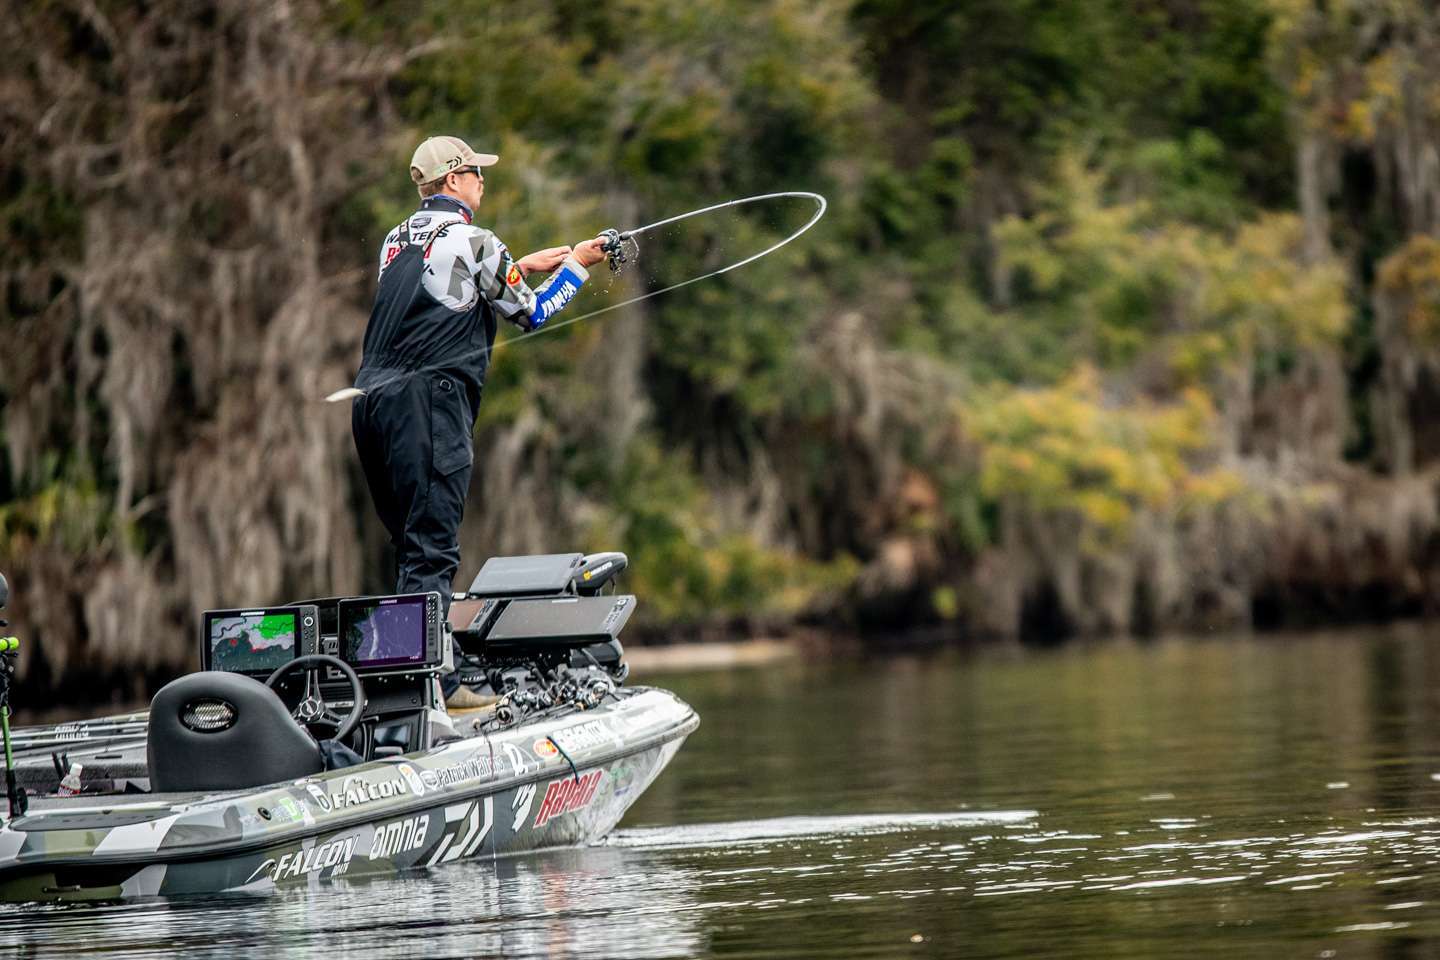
<point x="439" y="155"/>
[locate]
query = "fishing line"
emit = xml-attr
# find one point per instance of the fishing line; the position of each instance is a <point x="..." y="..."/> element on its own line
<point x="349" y="393"/>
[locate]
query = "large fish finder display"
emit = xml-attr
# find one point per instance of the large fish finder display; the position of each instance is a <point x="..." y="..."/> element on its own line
<point x="256" y="641"/>
<point x="390" y="634"/>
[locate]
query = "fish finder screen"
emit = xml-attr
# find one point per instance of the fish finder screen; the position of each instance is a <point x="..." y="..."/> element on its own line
<point x="383" y="633"/>
<point x="251" y="642"/>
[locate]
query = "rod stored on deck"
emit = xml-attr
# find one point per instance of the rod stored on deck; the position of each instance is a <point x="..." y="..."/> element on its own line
<point x="9" y="651"/>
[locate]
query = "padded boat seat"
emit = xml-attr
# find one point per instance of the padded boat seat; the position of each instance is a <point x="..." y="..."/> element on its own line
<point x="224" y="731"/>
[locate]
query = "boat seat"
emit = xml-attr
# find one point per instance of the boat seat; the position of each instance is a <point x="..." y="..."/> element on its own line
<point x="225" y="731"/>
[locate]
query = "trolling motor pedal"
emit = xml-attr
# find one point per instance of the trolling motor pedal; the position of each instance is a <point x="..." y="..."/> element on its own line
<point x="619" y="248"/>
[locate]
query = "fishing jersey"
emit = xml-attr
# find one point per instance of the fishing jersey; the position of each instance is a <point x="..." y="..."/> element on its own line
<point x="443" y="283"/>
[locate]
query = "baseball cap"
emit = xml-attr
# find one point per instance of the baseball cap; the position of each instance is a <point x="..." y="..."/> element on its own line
<point x="439" y="155"/>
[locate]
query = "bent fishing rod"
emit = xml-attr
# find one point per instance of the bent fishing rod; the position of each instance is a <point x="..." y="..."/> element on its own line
<point x="621" y="247"/>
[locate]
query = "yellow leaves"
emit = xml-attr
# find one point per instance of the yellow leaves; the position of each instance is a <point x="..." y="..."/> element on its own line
<point x="1274" y="290"/>
<point x="1068" y="449"/>
<point x="1352" y="65"/>
<point x="1409" y="279"/>
<point x="1212" y="487"/>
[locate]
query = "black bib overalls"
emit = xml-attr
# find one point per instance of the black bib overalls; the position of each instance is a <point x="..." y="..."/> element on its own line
<point x="413" y="432"/>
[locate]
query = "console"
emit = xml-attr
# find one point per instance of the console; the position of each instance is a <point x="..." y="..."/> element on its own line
<point x="257" y="641"/>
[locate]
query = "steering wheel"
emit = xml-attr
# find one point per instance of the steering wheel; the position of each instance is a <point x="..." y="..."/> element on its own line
<point x="313" y="708"/>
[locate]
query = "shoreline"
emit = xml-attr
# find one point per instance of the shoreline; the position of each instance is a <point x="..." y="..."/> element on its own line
<point x="713" y="655"/>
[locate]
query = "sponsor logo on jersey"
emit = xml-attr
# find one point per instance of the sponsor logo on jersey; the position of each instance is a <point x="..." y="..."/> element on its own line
<point x="557" y="299"/>
<point x="512" y="276"/>
<point x="567" y="796"/>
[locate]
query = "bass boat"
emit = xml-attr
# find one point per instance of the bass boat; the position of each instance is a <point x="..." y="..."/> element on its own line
<point x="314" y="744"/>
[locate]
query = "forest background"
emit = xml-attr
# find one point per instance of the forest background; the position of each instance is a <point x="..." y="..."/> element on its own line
<point x="1125" y="317"/>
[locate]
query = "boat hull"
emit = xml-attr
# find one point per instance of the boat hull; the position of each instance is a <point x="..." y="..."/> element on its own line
<point x="563" y="782"/>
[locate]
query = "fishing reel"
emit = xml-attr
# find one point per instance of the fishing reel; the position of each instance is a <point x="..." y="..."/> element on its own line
<point x="619" y="248"/>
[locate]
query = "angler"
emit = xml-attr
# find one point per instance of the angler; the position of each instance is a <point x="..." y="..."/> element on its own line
<point x="444" y="281"/>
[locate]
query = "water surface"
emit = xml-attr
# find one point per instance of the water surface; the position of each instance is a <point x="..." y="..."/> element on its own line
<point x="1274" y="796"/>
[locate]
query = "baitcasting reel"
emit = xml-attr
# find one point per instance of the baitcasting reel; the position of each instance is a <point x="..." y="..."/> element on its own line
<point x="620" y="248"/>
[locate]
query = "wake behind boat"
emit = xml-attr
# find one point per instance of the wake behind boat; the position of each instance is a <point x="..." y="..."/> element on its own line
<point x="224" y="785"/>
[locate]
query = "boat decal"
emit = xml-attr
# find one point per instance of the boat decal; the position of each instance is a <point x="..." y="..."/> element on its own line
<point x="453" y="813"/>
<point x="517" y="759"/>
<point x="354" y="791"/>
<point x="474" y="831"/>
<point x="545" y="749"/>
<point x="568" y="795"/>
<point x="524" y="797"/>
<point x="137" y="837"/>
<point x="412" y="778"/>
<point x="147" y="883"/>
<point x="333" y="855"/>
<point x="476" y="768"/>
<point x="286" y="810"/>
<point x="399" y="836"/>
<point x="590" y="735"/>
<point x="472" y="823"/>
<point x="489" y="803"/>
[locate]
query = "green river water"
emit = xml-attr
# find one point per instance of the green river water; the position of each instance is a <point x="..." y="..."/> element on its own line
<point x="1275" y="796"/>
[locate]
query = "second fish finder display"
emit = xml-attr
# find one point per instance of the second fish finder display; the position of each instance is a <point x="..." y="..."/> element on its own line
<point x="384" y="633"/>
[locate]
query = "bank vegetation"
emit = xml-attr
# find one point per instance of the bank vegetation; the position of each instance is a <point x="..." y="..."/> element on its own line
<point x="1125" y="319"/>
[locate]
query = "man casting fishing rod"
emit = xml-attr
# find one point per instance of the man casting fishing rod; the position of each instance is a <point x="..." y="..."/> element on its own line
<point x="443" y="283"/>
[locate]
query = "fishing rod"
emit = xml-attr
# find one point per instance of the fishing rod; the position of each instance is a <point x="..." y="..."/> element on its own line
<point x="9" y="652"/>
<point x="26" y="737"/>
<point x="25" y="743"/>
<point x="80" y="731"/>
<point x="80" y="747"/>
<point x="621" y="247"/>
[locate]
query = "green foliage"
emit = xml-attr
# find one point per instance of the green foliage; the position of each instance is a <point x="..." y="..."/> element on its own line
<point x="1066" y="450"/>
<point x="1115" y="282"/>
<point x="69" y="510"/>
<point x="687" y="567"/>
<point x="1076" y="213"/>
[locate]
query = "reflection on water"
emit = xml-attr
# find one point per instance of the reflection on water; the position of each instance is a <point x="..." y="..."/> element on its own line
<point x="590" y="903"/>
<point x="694" y="836"/>
<point x="1270" y="797"/>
